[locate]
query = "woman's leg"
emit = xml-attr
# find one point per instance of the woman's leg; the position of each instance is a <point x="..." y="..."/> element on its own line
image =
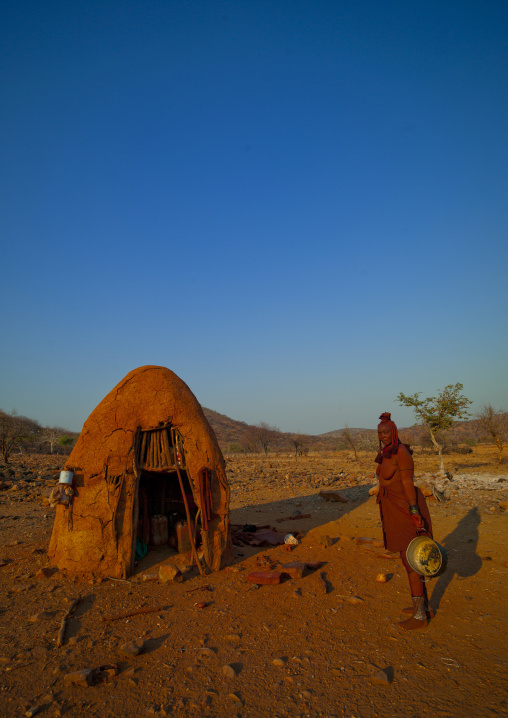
<point x="415" y="580"/>
<point x="419" y="616"/>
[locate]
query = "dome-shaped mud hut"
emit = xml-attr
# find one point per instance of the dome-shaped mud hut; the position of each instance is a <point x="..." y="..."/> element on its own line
<point x="146" y="468"/>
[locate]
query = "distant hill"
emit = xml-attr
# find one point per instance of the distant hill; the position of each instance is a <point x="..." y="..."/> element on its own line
<point x="338" y="432"/>
<point x="230" y="431"/>
<point x="227" y="430"/>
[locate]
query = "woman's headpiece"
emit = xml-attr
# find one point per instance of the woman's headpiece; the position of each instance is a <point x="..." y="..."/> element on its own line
<point x="393" y="447"/>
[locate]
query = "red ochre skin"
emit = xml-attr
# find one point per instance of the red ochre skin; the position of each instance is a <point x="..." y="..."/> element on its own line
<point x="397" y="493"/>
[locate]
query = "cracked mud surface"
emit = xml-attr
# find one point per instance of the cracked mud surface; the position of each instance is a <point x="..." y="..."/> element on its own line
<point x="293" y="649"/>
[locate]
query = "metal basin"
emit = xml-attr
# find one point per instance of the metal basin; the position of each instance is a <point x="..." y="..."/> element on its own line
<point x="426" y="557"/>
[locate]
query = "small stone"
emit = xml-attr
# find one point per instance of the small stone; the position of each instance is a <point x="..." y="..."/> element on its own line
<point x="306" y="694"/>
<point x="235" y="697"/>
<point x="45" y="573"/>
<point x="233" y="637"/>
<point x="382" y="678"/>
<point x="37" y="617"/>
<point x="354" y="600"/>
<point x="229" y="671"/>
<point x="32" y="711"/>
<point x="169" y="573"/>
<point x="326" y="541"/>
<point x="295" y="569"/>
<point x="364" y="540"/>
<point x="209" y="652"/>
<point x="504" y="505"/>
<point x="279" y="661"/>
<point x="80" y="678"/>
<point x="265" y="578"/>
<point x="133" y="648"/>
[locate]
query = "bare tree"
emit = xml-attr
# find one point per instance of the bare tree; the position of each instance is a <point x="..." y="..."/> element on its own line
<point x="298" y="441"/>
<point x="261" y="435"/>
<point x="494" y="424"/>
<point x="265" y="435"/>
<point x="249" y="440"/>
<point x="51" y="435"/>
<point x="15" y="431"/>
<point x="346" y="435"/>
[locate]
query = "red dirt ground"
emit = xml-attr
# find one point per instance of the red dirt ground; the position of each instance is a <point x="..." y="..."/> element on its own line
<point x="295" y="650"/>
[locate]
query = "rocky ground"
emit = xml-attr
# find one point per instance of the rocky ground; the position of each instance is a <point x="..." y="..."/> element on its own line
<point x="325" y="644"/>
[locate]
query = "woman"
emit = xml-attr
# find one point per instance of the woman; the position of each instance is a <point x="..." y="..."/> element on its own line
<point x="403" y="511"/>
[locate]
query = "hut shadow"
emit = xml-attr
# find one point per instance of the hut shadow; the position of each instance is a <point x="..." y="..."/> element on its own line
<point x="281" y="515"/>
<point x="463" y="561"/>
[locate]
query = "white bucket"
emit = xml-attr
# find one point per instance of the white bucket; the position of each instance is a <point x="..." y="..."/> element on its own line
<point x="66" y="477"/>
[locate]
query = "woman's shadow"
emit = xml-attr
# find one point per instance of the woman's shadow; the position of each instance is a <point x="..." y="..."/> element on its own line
<point x="463" y="560"/>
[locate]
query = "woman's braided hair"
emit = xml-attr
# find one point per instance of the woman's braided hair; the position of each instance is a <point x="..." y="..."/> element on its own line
<point x="393" y="447"/>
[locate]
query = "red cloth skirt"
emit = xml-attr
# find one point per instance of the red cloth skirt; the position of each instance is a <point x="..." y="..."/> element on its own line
<point x="398" y="529"/>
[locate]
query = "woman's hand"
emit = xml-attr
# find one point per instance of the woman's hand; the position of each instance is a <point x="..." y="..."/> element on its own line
<point x="417" y="520"/>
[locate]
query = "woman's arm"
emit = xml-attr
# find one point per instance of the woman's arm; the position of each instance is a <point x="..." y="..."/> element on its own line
<point x="406" y="468"/>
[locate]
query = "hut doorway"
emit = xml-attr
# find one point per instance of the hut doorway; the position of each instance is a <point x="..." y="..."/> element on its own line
<point x="164" y="499"/>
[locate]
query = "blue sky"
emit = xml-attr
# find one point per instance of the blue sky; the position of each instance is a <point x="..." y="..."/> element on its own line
<point x="300" y="207"/>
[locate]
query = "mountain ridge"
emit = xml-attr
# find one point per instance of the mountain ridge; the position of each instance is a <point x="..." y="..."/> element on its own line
<point x="231" y="431"/>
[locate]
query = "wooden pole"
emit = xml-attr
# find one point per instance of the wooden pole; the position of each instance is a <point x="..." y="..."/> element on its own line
<point x="167" y="450"/>
<point x="187" y="512"/>
<point x="156" y="453"/>
<point x="151" y="449"/>
<point x="164" y="458"/>
<point x="142" y="460"/>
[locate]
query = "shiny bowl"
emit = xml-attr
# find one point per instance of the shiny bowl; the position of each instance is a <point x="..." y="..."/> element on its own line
<point x="426" y="556"/>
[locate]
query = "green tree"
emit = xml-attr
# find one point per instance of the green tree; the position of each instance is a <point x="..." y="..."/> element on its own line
<point x="439" y="412"/>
